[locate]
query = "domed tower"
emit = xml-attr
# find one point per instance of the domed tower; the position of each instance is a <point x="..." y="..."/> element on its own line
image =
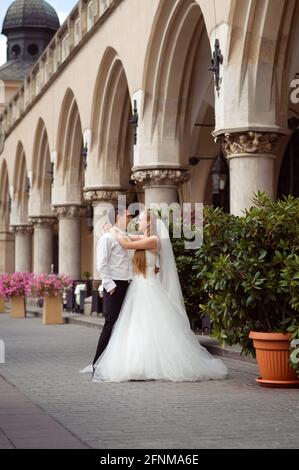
<point x="29" y="26"/>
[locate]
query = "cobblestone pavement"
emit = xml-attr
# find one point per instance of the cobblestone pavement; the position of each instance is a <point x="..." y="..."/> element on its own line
<point x="24" y="425"/>
<point x="43" y="363"/>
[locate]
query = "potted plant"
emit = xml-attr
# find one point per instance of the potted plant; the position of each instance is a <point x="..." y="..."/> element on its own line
<point x="188" y="279"/>
<point x="15" y="287"/>
<point x="2" y="304"/>
<point x="50" y="287"/>
<point x="88" y="281"/>
<point x="248" y="268"/>
<point x="290" y="281"/>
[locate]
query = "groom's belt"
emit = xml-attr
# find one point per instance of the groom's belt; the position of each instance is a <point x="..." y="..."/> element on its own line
<point x="120" y="281"/>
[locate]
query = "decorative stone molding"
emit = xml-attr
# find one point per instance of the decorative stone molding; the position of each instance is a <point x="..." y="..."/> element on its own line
<point x="21" y="229"/>
<point x="95" y="196"/>
<point x="161" y="177"/>
<point x="239" y="143"/>
<point x="68" y="211"/>
<point x="43" y="221"/>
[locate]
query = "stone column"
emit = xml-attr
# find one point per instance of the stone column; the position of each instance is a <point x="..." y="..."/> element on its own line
<point x="42" y="244"/>
<point x="23" y="247"/>
<point x="251" y="157"/>
<point x="69" y="217"/>
<point x="7" y="252"/>
<point x="160" y="185"/>
<point x="102" y="200"/>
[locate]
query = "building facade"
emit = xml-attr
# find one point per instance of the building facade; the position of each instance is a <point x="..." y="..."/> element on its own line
<point x="158" y="100"/>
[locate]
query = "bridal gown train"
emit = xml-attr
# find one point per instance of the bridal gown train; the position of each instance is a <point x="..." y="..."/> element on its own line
<point x="152" y="340"/>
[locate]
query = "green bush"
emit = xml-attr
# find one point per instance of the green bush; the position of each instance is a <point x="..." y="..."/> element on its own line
<point x="187" y="260"/>
<point x="246" y="275"/>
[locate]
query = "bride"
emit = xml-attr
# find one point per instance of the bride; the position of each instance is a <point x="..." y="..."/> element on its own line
<point x="152" y="338"/>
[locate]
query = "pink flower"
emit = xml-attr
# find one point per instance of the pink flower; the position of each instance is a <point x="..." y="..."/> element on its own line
<point x="16" y="284"/>
<point x="22" y="284"/>
<point x="50" y="284"/>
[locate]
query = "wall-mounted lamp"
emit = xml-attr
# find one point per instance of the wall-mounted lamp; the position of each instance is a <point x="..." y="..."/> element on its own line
<point x="51" y="172"/>
<point x="216" y="61"/>
<point x="219" y="171"/>
<point x="219" y="175"/>
<point x="84" y="153"/>
<point x="89" y="218"/>
<point x="193" y="161"/>
<point x="27" y="187"/>
<point x="134" y="121"/>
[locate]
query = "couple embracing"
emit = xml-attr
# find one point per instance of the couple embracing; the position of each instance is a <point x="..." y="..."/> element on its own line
<point x="147" y="334"/>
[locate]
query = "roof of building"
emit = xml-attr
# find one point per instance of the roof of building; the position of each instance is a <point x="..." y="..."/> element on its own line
<point x="16" y="69"/>
<point x="30" y="13"/>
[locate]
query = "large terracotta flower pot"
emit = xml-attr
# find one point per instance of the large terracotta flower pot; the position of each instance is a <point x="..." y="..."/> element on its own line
<point x="17" y="304"/>
<point x="272" y="355"/>
<point x="2" y="305"/>
<point x="52" y="313"/>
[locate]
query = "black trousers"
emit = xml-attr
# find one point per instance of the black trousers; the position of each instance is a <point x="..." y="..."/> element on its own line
<point x="111" y="308"/>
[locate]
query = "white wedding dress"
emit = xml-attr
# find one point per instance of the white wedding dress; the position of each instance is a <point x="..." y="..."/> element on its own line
<point x="152" y="338"/>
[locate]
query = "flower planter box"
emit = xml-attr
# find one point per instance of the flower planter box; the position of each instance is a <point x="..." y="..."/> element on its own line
<point x="17" y="307"/>
<point x="2" y="305"/>
<point x="52" y="312"/>
<point x="272" y="355"/>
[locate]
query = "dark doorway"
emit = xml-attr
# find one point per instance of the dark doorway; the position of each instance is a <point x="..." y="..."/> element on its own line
<point x="55" y="253"/>
<point x="289" y="173"/>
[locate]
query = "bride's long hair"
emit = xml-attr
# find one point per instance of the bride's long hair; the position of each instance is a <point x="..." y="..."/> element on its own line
<point x="139" y="259"/>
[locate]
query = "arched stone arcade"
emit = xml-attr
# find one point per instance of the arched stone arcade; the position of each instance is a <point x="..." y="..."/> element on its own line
<point x="69" y="146"/>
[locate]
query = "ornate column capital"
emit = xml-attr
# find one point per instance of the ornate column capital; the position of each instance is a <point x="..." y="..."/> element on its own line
<point x="249" y="142"/>
<point x="42" y="221"/>
<point x="97" y="195"/>
<point x="21" y="229"/>
<point x="68" y="211"/>
<point x="161" y="176"/>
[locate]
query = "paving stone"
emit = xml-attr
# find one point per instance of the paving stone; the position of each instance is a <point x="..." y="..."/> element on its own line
<point x="43" y="365"/>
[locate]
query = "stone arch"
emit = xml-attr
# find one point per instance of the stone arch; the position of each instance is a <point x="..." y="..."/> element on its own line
<point x="21" y="188"/>
<point x="110" y="121"/>
<point x="4" y="198"/>
<point x="288" y="177"/>
<point x="257" y="60"/>
<point x="286" y="164"/>
<point x="41" y="171"/>
<point x="174" y="80"/>
<point x="291" y="96"/>
<point x="69" y="172"/>
<point x="287" y="168"/>
<point x="7" y="247"/>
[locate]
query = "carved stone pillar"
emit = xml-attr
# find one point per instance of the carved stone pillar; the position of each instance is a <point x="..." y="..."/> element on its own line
<point x="102" y="200"/>
<point x="43" y="243"/>
<point x="23" y="247"/>
<point x="69" y="217"/>
<point x="251" y="157"/>
<point x="160" y="185"/>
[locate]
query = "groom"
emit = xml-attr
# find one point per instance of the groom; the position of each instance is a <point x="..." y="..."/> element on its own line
<point x="114" y="265"/>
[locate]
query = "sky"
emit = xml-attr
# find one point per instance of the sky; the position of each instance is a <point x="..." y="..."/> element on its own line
<point x="63" y="8"/>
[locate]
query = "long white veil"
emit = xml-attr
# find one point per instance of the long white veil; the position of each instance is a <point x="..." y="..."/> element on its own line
<point x="168" y="271"/>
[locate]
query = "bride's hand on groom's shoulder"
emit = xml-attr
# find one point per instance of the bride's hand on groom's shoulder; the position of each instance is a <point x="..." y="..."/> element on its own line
<point x="106" y="228"/>
<point x="119" y="235"/>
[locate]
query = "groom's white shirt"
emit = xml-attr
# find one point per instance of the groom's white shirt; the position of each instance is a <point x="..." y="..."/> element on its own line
<point x="113" y="262"/>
